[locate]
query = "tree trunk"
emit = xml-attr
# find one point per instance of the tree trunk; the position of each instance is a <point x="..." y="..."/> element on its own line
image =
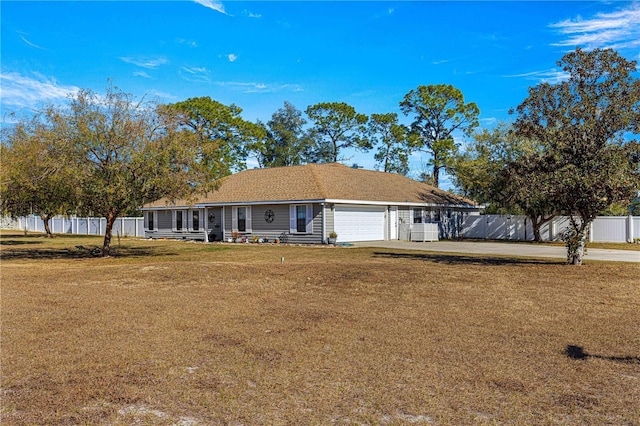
<point x="436" y="176"/>
<point x="536" y="230"/>
<point x="575" y="252"/>
<point x="106" y="246"/>
<point x="536" y="223"/>
<point x="576" y="240"/>
<point x="47" y="229"/>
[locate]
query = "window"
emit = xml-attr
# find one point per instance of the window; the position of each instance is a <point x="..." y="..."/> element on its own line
<point x="196" y="220"/>
<point x="150" y="224"/>
<point x="242" y="219"/>
<point x="178" y="221"/>
<point x="417" y="215"/>
<point x="301" y="219"/>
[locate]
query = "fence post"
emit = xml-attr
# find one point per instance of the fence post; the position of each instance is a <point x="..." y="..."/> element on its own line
<point x="486" y="227"/>
<point x="630" y="229"/>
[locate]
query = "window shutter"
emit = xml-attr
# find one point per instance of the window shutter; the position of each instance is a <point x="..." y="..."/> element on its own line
<point x="234" y="219"/>
<point x="173" y="220"/>
<point x="248" y="219"/>
<point x="292" y="219"/>
<point x="309" y="218"/>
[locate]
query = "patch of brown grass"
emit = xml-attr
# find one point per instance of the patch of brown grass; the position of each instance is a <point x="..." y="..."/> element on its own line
<point x="608" y="246"/>
<point x="169" y="332"/>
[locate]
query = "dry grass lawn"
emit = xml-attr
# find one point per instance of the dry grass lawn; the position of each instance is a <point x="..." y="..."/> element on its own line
<point x="168" y="332"/>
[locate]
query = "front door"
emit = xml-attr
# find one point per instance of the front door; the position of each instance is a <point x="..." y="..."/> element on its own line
<point x="393" y="223"/>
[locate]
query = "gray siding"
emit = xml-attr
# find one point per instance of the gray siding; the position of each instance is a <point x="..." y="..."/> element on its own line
<point x="405" y="215"/>
<point x="164" y="227"/>
<point x="450" y="224"/>
<point x="316" y="237"/>
<point x="404" y="222"/>
<point x="329" y="220"/>
<point x="279" y="228"/>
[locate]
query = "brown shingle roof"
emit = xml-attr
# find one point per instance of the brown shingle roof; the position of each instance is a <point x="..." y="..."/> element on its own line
<point x="332" y="181"/>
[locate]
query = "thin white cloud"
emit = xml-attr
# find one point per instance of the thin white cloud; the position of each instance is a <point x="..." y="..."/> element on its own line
<point x="142" y="74"/>
<point x="250" y="14"/>
<point x="195" y="74"/>
<point x="253" y="87"/>
<point x="617" y="30"/>
<point x="162" y="96"/>
<point x="488" y="121"/>
<point x="441" y="61"/>
<point x="30" y="92"/>
<point x="232" y="57"/>
<point x="186" y="42"/>
<point x="552" y="76"/>
<point x="31" y="44"/>
<point x="212" y="4"/>
<point x="195" y="70"/>
<point x="145" y="62"/>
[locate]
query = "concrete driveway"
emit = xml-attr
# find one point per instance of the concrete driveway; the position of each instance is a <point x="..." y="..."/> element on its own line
<point x="504" y="249"/>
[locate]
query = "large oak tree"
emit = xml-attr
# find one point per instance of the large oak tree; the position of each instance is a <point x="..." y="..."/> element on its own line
<point x="35" y="176"/>
<point x="500" y="170"/>
<point x="125" y="154"/>
<point x="585" y="124"/>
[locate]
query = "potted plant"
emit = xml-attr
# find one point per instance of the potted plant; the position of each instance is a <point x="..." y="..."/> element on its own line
<point x="235" y="235"/>
<point x="332" y="237"/>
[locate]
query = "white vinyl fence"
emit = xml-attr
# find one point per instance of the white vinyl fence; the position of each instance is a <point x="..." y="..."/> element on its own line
<point x="605" y="229"/>
<point x="124" y="226"/>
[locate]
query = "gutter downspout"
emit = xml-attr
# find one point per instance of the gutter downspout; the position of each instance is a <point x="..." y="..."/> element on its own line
<point x="206" y="225"/>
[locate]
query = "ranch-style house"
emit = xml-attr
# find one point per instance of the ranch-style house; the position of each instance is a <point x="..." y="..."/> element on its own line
<point x="305" y="204"/>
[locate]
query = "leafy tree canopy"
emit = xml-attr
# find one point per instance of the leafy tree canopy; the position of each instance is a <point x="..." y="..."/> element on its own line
<point x="499" y="169"/>
<point x="119" y="153"/>
<point x="438" y="112"/>
<point x="336" y="126"/>
<point x="584" y="123"/>
<point x="225" y="138"/>
<point x="34" y="174"/>
<point x="393" y="143"/>
<point x="286" y="142"/>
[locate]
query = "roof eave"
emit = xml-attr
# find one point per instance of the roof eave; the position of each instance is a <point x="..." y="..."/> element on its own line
<point x="313" y="201"/>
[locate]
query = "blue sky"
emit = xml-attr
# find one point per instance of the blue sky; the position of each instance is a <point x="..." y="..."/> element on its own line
<point x="260" y="54"/>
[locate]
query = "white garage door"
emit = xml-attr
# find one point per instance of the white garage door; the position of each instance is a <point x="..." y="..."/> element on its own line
<point x="359" y="223"/>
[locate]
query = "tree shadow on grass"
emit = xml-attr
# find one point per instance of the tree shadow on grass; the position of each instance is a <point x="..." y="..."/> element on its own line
<point x="577" y="352"/>
<point x="4" y="242"/>
<point x="461" y="259"/>
<point x="81" y="252"/>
